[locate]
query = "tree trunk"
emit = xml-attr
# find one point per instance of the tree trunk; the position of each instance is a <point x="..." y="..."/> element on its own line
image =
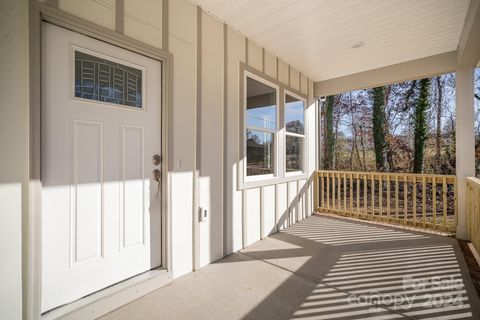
<point x="329" y="138"/>
<point x="378" y="119"/>
<point x="421" y="127"/>
<point x="362" y="143"/>
<point x="438" y="134"/>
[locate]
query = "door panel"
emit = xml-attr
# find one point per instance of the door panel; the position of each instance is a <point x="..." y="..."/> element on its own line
<point x="86" y="191"/>
<point x="101" y="126"/>
<point x="133" y="191"/>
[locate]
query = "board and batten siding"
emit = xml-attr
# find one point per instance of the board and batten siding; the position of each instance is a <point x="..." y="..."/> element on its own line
<point x="205" y="133"/>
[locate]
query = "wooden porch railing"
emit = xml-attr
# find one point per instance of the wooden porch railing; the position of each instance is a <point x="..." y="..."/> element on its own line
<point x="473" y="211"/>
<point x="422" y="200"/>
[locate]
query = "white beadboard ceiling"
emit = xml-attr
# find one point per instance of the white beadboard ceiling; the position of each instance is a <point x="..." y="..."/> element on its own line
<point x="316" y="36"/>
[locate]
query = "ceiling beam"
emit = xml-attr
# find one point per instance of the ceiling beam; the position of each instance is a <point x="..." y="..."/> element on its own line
<point x="410" y="70"/>
<point x="469" y="45"/>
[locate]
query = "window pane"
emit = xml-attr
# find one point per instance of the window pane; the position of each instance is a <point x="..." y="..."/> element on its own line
<point x="259" y="153"/>
<point x="261" y="105"/>
<point x="104" y="80"/>
<point x="294" y="115"/>
<point x="294" y="154"/>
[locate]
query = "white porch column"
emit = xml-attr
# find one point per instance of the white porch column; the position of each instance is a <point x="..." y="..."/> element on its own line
<point x="465" y="141"/>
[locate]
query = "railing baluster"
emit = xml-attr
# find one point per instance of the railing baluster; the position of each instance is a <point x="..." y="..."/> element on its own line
<point x="424" y="201"/>
<point x="358" y="194"/>
<point x="414" y="196"/>
<point x="405" y="199"/>
<point x="344" y="192"/>
<point x="388" y="197"/>
<point x="396" y="197"/>
<point x="380" y="195"/>
<point x="328" y="191"/>
<point x="322" y="203"/>
<point x="365" y="197"/>
<point x="434" y="202"/>
<point x="334" y="200"/>
<point x="444" y="202"/>
<point x="372" y="193"/>
<point x="351" y="192"/>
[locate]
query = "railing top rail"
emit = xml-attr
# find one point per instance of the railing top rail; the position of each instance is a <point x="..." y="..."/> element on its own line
<point x="421" y="175"/>
<point x="474" y="180"/>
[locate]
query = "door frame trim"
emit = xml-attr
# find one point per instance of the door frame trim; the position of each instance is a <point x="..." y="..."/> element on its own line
<point x="32" y="223"/>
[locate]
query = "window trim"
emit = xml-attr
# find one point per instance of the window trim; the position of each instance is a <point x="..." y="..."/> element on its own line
<point x="267" y="180"/>
<point x="261" y="177"/>
<point x="292" y="134"/>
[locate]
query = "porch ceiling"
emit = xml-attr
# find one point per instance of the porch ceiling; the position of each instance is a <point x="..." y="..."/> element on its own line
<point x="317" y="36"/>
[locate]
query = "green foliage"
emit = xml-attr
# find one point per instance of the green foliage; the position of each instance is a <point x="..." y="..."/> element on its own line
<point x="378" y="120"/>
<point x="420" y="125"/>
<point x="329" y="136"/>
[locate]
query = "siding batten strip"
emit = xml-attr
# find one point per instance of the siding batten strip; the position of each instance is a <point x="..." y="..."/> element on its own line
<point x="276" y="209"/>
<point x="286" y="223"/>
<point x="119" y="15"/>
<point x="262" y="213"/>
<point x="276" y="68"/>
<point x="197" y="149"/>
<point x="165" y="15"/>
<point x="244" y="219"/>
<point x="300" y="83"/>
<point x="246" y="51"/>
<point x="225" y="142"/>
<point x="289" y="75"/>
<point x="263" y="60"/>
<point x="299" y="197"/>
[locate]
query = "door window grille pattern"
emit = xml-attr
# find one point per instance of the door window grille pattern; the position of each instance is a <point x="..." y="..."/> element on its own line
<point x="107" y="81"/>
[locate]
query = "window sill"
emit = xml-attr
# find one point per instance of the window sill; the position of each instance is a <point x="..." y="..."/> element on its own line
<point x="289" y="177"/>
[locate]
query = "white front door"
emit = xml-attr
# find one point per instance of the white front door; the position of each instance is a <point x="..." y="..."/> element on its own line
<point x="101" y="218"/>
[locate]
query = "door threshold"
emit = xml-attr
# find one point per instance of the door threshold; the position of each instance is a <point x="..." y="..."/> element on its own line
<point x="104" y="301"/>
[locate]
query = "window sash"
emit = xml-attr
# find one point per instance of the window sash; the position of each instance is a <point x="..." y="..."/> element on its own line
<point x="273" y="156"/>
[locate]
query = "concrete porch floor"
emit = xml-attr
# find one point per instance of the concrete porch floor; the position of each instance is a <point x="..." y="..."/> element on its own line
<point x="323" y="268"/>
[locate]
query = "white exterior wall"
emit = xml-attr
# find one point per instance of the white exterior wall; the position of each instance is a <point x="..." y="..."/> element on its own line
<point x="14" y="122"/>
<point x="206" y="103"/>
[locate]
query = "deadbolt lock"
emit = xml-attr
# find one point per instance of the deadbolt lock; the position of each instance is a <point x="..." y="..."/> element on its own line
<point x="156" y="159"/>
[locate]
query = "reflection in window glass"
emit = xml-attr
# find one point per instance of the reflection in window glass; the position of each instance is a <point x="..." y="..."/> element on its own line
<point x="107" y="81"/>
<point x="261" y="105"/>
<point x="294" y="153"/>
<point x="294" y="115"/>
<point x="259" y="153"/>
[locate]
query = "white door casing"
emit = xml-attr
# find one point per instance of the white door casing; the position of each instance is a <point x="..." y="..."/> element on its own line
<point x="101" y="216"/>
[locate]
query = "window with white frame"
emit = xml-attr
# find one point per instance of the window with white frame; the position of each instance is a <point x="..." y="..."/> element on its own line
<point x="260" y="128"/>
<point x="294" y="134"/>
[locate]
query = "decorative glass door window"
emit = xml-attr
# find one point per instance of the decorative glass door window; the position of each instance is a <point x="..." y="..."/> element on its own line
<point x="260" y="128"/>
<point x="294" y="134"/>
<point x="104" y="80"/>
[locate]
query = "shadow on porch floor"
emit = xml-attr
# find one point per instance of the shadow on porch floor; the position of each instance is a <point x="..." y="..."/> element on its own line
<point x="323" y="268"/>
